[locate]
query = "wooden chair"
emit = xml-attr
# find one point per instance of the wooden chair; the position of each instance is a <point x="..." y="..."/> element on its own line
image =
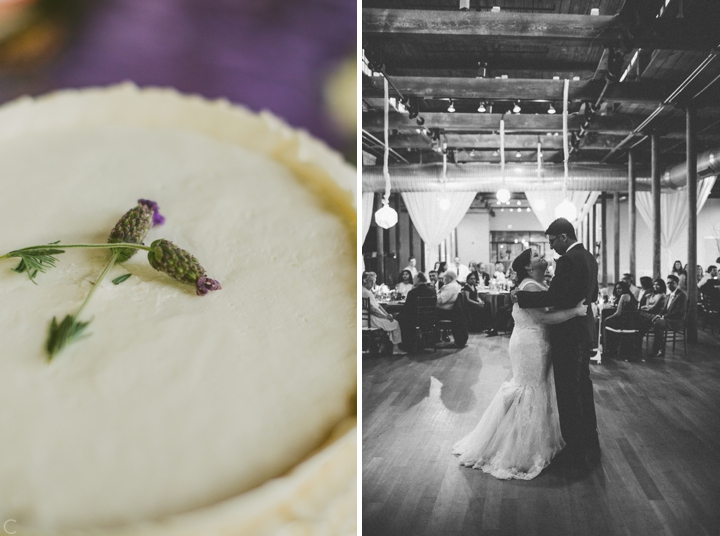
<point x="629" y="342"/>
<point x="426" y="335"/>
<point x="372" y="338"/>
<point x="708" y="312"/>
<point x="670" y="334"/>
<point x="629" y="337"/>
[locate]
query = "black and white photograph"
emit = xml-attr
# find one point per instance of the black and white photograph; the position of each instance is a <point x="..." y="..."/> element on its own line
<point x="540" y="251"/>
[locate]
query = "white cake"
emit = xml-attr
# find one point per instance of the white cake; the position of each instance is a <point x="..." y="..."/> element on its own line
<point x="231" y="413"/>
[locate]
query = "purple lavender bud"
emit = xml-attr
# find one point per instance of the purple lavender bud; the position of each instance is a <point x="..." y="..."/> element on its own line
<point x="204" y="285"/>
<point x="181" y="265"/>
<point x="157" y="218"/>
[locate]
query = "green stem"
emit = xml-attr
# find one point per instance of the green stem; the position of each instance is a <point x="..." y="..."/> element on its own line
<point x="97" y="284"/>
<point x="70" y="246"/>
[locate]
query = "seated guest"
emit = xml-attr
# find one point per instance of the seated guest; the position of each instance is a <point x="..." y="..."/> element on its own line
<point x="630" y="280"/>
<point x="682" y="279"/>
<point x="672" y="315"/>
<point x="408" y="316"/>
<point x="709" y="287"/>
<point x="448" y="295"/>
<point x="478" y="312"/>
<point x="710" y="277"/>
<point x="624" y="317"/>
<point x="699" y="273"/>
<point x="412" y="262"/>
<point x="473" y="269"/>
<point x="460" y="269"/>
<point x="646" y="290"/>
<point x="499" y="274"/>
<point x="654" y="303"/>
<point x="616" y="294"/>
<point x="379" y="318"/>
<point x="442" y="268"/>
<point x="434" y="281"/>
<point x="484" y="276"/>
<point x="405" y="284"/>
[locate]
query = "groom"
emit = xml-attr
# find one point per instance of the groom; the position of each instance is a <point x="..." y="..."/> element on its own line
<point x="571" y="342"/>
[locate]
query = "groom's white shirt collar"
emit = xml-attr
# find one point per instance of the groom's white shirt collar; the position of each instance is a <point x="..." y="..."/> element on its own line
<point x="575" y="244"/>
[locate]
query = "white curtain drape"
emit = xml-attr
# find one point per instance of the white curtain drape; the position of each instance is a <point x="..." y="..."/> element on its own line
<point x="367" y="211"/>
<point x="434" y="224"/>
<point x="544" y="203"/>
<point x="673" y="215"/>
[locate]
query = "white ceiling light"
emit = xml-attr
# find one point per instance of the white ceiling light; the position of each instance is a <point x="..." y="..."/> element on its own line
<point x="503" y="195"/>
<point x="518" y="154"/>
<point x="516" y="108"/>
<point x="451" y="108"/>
<point x="386" y="217"/>
<point x="481" y="108"/>
<point x="551" y="109"/>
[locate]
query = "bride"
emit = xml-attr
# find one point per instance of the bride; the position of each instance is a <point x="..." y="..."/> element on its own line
<point x="519" y="433"/>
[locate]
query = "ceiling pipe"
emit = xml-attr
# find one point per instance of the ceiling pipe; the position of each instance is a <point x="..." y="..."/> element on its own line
<point x="489" y="178"/>
<point x="708" y="163"/>
<point x="523" y="177"/>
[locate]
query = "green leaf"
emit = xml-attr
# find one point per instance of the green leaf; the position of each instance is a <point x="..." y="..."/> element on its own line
<point x="35" y="260"/>
<point x="62" y="334"/>
<point x="120" y="279"/>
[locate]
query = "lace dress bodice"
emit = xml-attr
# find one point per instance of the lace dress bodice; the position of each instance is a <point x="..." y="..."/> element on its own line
<point x="529" y="346"/>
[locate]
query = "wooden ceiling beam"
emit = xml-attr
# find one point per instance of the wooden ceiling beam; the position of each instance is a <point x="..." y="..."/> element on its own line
<point x="491" y="142"/>
<point x="552" y="28"/>
<point x="522" y="89"/>
<point x="373" y="121"/>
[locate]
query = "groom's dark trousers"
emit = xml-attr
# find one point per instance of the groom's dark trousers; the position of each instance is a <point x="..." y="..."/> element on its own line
<point x="570" y="344"/>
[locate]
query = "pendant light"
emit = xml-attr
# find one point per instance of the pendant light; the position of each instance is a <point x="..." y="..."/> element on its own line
<point x="566" y="209"/>
<point x="386" y="217"/>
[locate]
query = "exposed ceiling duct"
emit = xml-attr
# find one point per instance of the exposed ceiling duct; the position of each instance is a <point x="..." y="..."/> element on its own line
<point x="524" y="177"/>
<point x="708" y="163"/>
<point x="488" y="178"/>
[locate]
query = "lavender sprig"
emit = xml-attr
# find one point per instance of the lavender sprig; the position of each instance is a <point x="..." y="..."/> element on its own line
<point x="181" y="265"/>
<point x="133" y="227"/>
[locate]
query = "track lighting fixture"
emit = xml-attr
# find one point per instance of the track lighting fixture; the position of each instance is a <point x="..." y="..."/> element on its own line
<point x="451" y="108"/>
<point x="551" y="109"/>
<point x="516" y="108"/>
<point x="481" y="108"/>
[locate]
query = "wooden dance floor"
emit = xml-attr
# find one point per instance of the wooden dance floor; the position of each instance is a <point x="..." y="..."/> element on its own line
<point x="659" y="426"/>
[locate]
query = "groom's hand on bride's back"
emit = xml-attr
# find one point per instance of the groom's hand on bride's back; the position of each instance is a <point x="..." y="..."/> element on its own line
<point x="513" y="295"/>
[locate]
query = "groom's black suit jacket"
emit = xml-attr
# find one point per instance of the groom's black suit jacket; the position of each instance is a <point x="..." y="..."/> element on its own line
<point x="575" y="279"/>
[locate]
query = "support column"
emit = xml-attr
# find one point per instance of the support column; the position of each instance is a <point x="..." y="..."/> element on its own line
<point x="411" y="236"/>
<point x="655" y="172"/>
<point x="632" y="215"/>
<point x="691" y="147"/>
<point x="593" y="233"/>
<point x="603" y="239"/>
<point x="380" y="243"/>
<point x="422" y="257"/>
<point x="396" y="203"/>
<point x="616" y="230"/>
<point x="588" y="236"/>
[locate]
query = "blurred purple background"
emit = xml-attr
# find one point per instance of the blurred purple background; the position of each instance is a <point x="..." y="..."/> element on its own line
<point x="272" y="55"/>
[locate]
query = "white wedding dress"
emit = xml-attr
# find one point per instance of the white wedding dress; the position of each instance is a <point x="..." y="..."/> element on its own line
<point x="519" y="433"/>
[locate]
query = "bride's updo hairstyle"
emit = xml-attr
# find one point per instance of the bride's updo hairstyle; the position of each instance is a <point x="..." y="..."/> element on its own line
<point x="519" y="264"/>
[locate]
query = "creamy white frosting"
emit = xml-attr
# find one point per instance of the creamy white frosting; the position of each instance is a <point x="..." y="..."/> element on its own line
<point x="174" y="402"/>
